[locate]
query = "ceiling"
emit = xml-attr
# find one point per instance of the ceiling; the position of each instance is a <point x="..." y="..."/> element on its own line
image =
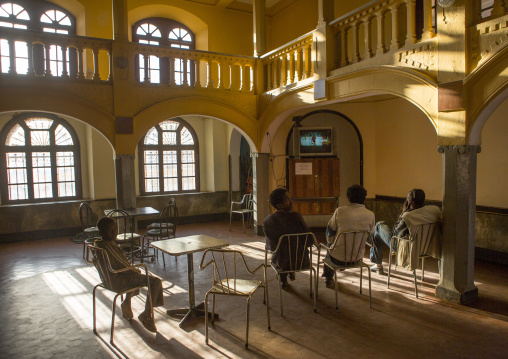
<point x="272" y="6"/>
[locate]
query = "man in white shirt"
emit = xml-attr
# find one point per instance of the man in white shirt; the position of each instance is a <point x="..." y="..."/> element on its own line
<point x="353" y="217"/>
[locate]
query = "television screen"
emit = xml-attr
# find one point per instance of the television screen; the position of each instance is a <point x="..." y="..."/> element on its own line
<point x="315" y="141"/>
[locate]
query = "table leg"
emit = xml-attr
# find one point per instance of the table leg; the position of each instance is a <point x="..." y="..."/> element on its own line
<point x="193" y="310"/>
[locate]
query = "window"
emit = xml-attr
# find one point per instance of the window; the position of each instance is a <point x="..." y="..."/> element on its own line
<point x="39" y="160"/>
<point x="38" y="16"/>
<point x="168" y="158"/>
<point x="163" y="32"/>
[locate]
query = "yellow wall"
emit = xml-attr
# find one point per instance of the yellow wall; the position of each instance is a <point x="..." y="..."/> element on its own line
<point x="493" y="161"/>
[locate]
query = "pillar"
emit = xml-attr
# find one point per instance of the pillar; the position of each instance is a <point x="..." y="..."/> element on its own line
<point x="428" y="31"/>
<point x="459" y="209"/>
<point x="259" y="27"/>
<point x="395" y="28"/>
<point x="125" y="185"/>
<point x="260" y="168"/>
<point x="120" y="22"/>
<point x="411" y="22"/>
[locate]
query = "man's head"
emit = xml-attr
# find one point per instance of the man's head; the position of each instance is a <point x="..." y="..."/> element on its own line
<point x="107" y="228"/>
<point x="281" y="200"/>
<point x="356" y="194"/>
<point x="416" y="198"/>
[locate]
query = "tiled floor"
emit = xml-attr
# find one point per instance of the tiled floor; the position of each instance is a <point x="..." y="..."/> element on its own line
<point x="46" y="311"/>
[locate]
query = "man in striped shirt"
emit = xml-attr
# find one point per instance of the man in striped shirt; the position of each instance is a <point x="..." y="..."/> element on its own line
<point x="130" y="278"/>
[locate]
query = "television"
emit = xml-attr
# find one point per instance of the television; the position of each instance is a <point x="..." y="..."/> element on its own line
<point x="315" y="141"/>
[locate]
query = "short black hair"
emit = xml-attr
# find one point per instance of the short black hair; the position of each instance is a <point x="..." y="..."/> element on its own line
<point x="104" y="223"/>
<point x="356" y="194"/>
<point x="277" y="196"/>
<point x="418" y="196"/>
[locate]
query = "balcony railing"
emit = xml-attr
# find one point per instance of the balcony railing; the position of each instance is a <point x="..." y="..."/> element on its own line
<point x="289" y="63"/>
<point x="36" y="54"/>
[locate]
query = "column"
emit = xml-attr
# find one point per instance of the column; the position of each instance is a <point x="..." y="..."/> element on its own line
<point x="459" y="209"/>
<point x="356" y="54"/>
<point x="411" y="22"/>
<point x="81" y="60"/>
<point x="125" y="185"/>
<point x="120" y="22"/>
<point x="395" y="28"/>
<point x="96" y="75"/>
<point x="343" y="47"/>
<point x="261" y="174"/>
<point x="325" y="12"/>
<point x="368" y="47"/>
<point x="65" y="73"/>
<point x="292" y="66"/>
<point x="259" y="27"/>
<point x="308" y="61"/>
<point x="381" y="49"/>
<point x="428" y="31"/>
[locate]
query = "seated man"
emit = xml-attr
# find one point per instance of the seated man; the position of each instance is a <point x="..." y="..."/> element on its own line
<point x="353" y="217"/>
<point x="130" y="278"/>
<point x="284" y="221"/>
<point x="383" y="233"/>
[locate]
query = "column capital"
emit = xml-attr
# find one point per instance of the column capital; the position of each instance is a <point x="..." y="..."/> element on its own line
<point x="460" y="149"/>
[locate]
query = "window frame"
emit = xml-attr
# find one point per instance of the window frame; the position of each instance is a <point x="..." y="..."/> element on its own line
<point x="160" y="148"/>
<point x="28" y="149"/>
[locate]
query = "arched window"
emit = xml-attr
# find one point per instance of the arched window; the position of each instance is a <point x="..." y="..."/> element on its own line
<point x="40" y="16"/>
<point x="39" y="160"/>
<point x="168" y="158"/>
<point x="163" y="32"/>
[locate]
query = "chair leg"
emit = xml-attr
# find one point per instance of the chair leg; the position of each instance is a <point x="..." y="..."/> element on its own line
<point x="336" y="291"/>
<point x="313" y="288"/>
<point x="113" y="320"/>
<point x="213" y="308"/>
<point x="423" y="267"/>
<point x="311" y="291"/>
<point x="247" y="330"/>
<point x="206" y="318"/>
<point x="94" y="312"/>
<point x="267" y="306"/>
<point x="280" y="296"/>
<point x="389" y="264"/>
<point x="163" y="260"/>
<point x="230" y="215"/>
<point x="243" y="223"/>
<point x="439" y="267"/>
<point x="416" y="283"/>
<point x="361" y="277"/>
<point x="370" y="293"/>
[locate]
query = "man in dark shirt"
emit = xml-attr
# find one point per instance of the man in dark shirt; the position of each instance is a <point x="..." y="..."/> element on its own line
<point x="285" y="221"/>
<point x="128" y="279"/>
<point x="383" y="233"/>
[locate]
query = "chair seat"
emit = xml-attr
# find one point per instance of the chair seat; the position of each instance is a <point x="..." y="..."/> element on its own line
<point x="126" y="237"/>
<point x="157" y="225"/>
<point x="91" y="230"/>
<point x="242" y="210"/>
<point x="334" y="266"/>
<point x="243" y="286"/>
<point x="159" y="232"/>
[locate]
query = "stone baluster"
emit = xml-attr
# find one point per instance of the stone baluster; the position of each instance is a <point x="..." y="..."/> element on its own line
<point x="411" y="22"/>
<point x="343" y="47"/>
<point x="146" y="61"/>
<point x="277" y="72"/>
<point x="381" y="48"/>
<point x="172" y="73"/>
<point x="356" y="53"/>
<point x="284" y="69"/>
<point x="292" y="65"/>
<point x="299" y="64"/>
<point x="96" y="75"/>
<point x="428" y="31"/>
<point x="197" y="74"/>
<point x="395" y="28"/>
<point x="185" y="74"/>
<point x="308" y="61"/>
<point x="368" y="45"/>
<point x="81" y="64"/>
<point x="245" y="78"/>
<point x="12" y="58"/>
<point x="222" y="69"/>
<point x="498" y="8"/>
<point x="65" y="72"/>
<point x="110" y="77"/>
<point x="48" y="63"/>
<point x="209" y="84"/>
<point x="31" y="70"/>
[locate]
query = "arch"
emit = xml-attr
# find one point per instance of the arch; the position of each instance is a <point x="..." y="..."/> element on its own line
<point x="199" y="106"/>
<point x="194" y="23"/>
<point x="409" y="85"/>
<point x="59" y="103"/>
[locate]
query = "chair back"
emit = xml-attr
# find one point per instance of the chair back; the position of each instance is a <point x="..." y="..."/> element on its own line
<point x="168" y="221"/>
<point x="296" y="247"/>
<point x="225" y="269"/>
<point x="86" y="216"/>
<point x="172" y="201"/>
<point x="249" y="201"/>
<point x="101" y="262"/>
<point x="424" y="235"/>
<point x="123" y="222"/>
<point x="349" y="246"/>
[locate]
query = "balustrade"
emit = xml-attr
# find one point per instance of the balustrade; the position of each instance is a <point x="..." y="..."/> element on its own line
<point x="54" y="55"/>
<point x="289" y="63"/>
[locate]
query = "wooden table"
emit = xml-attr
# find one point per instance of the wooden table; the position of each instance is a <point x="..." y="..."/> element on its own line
<point x="189" y="245"/>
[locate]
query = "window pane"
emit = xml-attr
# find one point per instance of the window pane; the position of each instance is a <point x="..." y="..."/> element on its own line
<point x="16" y="176"/>
<point x="151" y="171"/>
<point x="169" y="157"/>
<point x="170" y="184"/>
<point x="66" y="189"/>
<point x="152" y="137"/>
<point x="169" y="125"/>
<point x="169" y="138"/>
<point x="188" y="156"/>
<point x="62" y="136"/>
<point x="37" y="123"/>
<point x="188" y="170"/>
<point x="188" y="183"/>
<point x="151" y="157"/>
<point x="43" y="190"/>
<point x="152" y="185"/>
<point x="16" y="136"/>
<point x="64" y="159"/>
<point x="39" y="138"/>
<point x="18" y="192"/>
<point x="186" y="137"/>
<point x="170" y="171"/>
<point x="65" y="174"/>
<point x="16" y="160"/>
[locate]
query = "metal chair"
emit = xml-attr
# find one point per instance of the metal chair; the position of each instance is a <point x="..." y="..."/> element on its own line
<point x="295" y="245"/>
<point x="103" y="265"/>
<point x="126" y="239"/>
<point x="88" y="224"/>
<point x="225" y="284"/>
<point x="165" y="228"/>
<point x="353" y="243"/>
<point x="418" y="241"/>
<point x="245" y="208"/>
